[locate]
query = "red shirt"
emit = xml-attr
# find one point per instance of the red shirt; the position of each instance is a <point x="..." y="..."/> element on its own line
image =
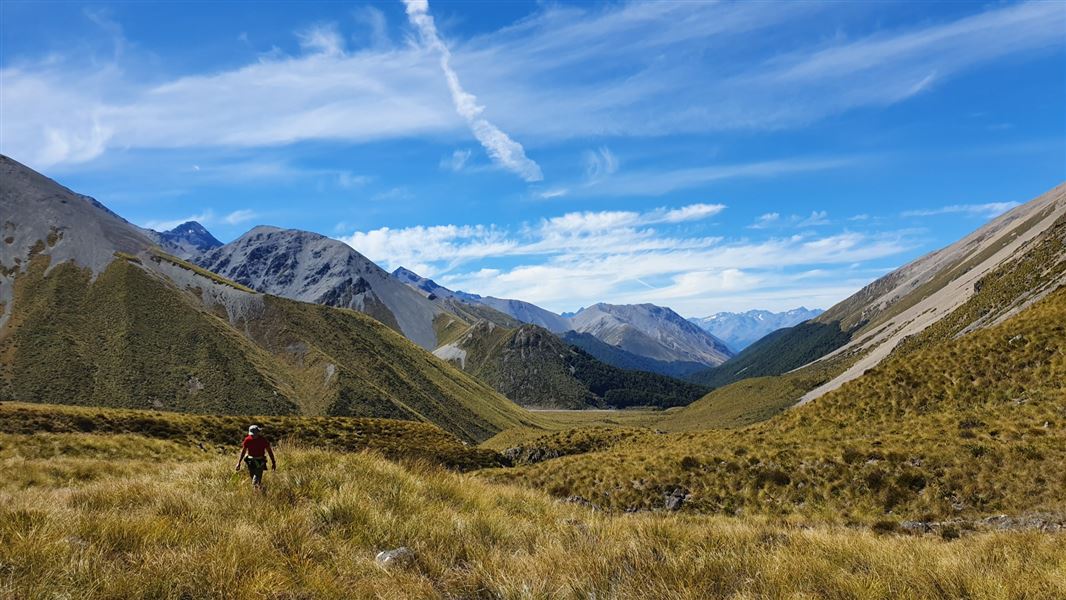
<point x="256" y="447"/>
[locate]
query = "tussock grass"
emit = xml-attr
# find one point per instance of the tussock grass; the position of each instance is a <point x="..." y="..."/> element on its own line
<point x="961" y="429"/>
<point x="48" y="426"/>
<point x="195" y="530"/>
<point x="552" y="421"/>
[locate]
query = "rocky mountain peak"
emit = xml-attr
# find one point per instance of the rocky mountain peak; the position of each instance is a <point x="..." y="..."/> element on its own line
<point x="186" y="240"/>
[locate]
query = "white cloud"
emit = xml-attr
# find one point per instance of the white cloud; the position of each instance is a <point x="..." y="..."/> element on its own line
<point x="239" y="216"/>
<point x="206" y="218"/>
<point x="817" y="217"/>
<point x="503" y="150"/>
<point x="168" y="224"/>
<point x="774" y="220"/>
<point x="374" y="19"/>
<point x="599" y="163"/>
<point x="71" y="108"/>
<point x="554" y="193"/>
<point x="992" y="209"/>
<point x="456" y="161"/>
<point x="625" y="256"/>
<point x="322" y="39"/>
<point x="692" y="212"/>
<point x="765" y="220"/>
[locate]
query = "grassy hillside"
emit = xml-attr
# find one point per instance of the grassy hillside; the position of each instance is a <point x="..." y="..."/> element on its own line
<point x="750" y="400"/>
<point x="533" y="367"/>
<point x="130" y="338"/>
<point x="959" y="430"/>
<point x="1038" y="268"/>
<point x="126" y="516"/>
<point x="125" y="340"/>
<point x="193" y="435"/>
<point x="872" y="307"/>
<point x="777" y="353"/>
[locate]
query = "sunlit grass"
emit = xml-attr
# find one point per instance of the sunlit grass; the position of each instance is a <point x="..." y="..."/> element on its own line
<point x="193" y="528"/>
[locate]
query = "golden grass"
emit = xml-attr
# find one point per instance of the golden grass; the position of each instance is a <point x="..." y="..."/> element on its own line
<point x="551" y="421"/>
<point x="125" y="527"/>
<point x="400" y="440"/>
<point x="964" y="429"/>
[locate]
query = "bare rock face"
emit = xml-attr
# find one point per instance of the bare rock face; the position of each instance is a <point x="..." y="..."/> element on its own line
<point x="306" y="266"/>
<point x="651" y="331"/>
<point x="186" y="240"/>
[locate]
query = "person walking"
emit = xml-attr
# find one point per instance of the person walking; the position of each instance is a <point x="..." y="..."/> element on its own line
<point x="254" y="450"/>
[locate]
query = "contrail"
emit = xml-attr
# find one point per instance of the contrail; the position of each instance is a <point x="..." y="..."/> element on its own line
<point x="501" y="148"/>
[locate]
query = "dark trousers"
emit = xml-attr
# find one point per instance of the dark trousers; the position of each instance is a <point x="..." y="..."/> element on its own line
<point x="256" y="466"/>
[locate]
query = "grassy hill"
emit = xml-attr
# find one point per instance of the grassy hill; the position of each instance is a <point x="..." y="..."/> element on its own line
<point x="133" y="338"/>
<point x="999" y="293"/>
<point x="919" y="295"/>
<point x="192" y="436"/>
<point x="122" y="516"/>
<point x="959" y="429"/>
<point x="533" y="367"/>
<point x="92" y="313"/>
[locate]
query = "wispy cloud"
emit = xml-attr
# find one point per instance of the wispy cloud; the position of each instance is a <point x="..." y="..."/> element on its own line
<point x="239" y="216"/>
<point x="168" y="224"/>
<point x="817" y="217"/>
<point x="456" y="161"/>
<point x="766" y="220"/>
<point x="599" y="163"/>
<point x="323" y="39"/>
<point x="989" y="210"/>
<point x="658" y="182"/>
<point x="503" y="150"/>
<point x="66" y="108"/>
<point x="205" y="218"/>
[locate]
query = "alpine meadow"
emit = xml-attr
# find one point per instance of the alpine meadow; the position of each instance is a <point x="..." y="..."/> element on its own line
<point x="594" y="300"/>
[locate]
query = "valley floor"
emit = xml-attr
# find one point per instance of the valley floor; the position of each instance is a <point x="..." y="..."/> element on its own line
<point x="121" y="516"/>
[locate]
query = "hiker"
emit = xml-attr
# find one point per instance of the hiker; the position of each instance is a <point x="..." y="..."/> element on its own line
<point x="254" y="451"/>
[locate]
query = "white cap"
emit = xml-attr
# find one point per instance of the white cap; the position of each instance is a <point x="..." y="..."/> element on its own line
<point x="254" y="429"/>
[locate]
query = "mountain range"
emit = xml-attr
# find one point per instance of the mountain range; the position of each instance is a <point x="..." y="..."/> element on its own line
<point x="275" y="322"/>
<point x="309" y="267"/>
<point x="537" y="369"/>
<point x="740" y="330"/>
<point x="96" y="313"/>
<point x="637" y="336"/>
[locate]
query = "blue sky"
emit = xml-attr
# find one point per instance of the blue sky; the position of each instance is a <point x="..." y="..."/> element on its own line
<point x="706" y="157"/>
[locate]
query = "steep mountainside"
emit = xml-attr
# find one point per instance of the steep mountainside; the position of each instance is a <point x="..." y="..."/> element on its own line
<point x="956" y="430"/>
<point x="470" y="311"/>
<point x="186" y="240"/>
<point x="651" y="331"/>
<point x="872" y="322"/>
<point x="527" y="313"/>
<point x="533" y="367"/>
<point x="517" y="310"/>
<point x="95" y="315"/>
<point x="640" y="337"/>
<point x="740" y="330"/>
<point x="617" y="357"/>
<point x="306" y="266"/>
